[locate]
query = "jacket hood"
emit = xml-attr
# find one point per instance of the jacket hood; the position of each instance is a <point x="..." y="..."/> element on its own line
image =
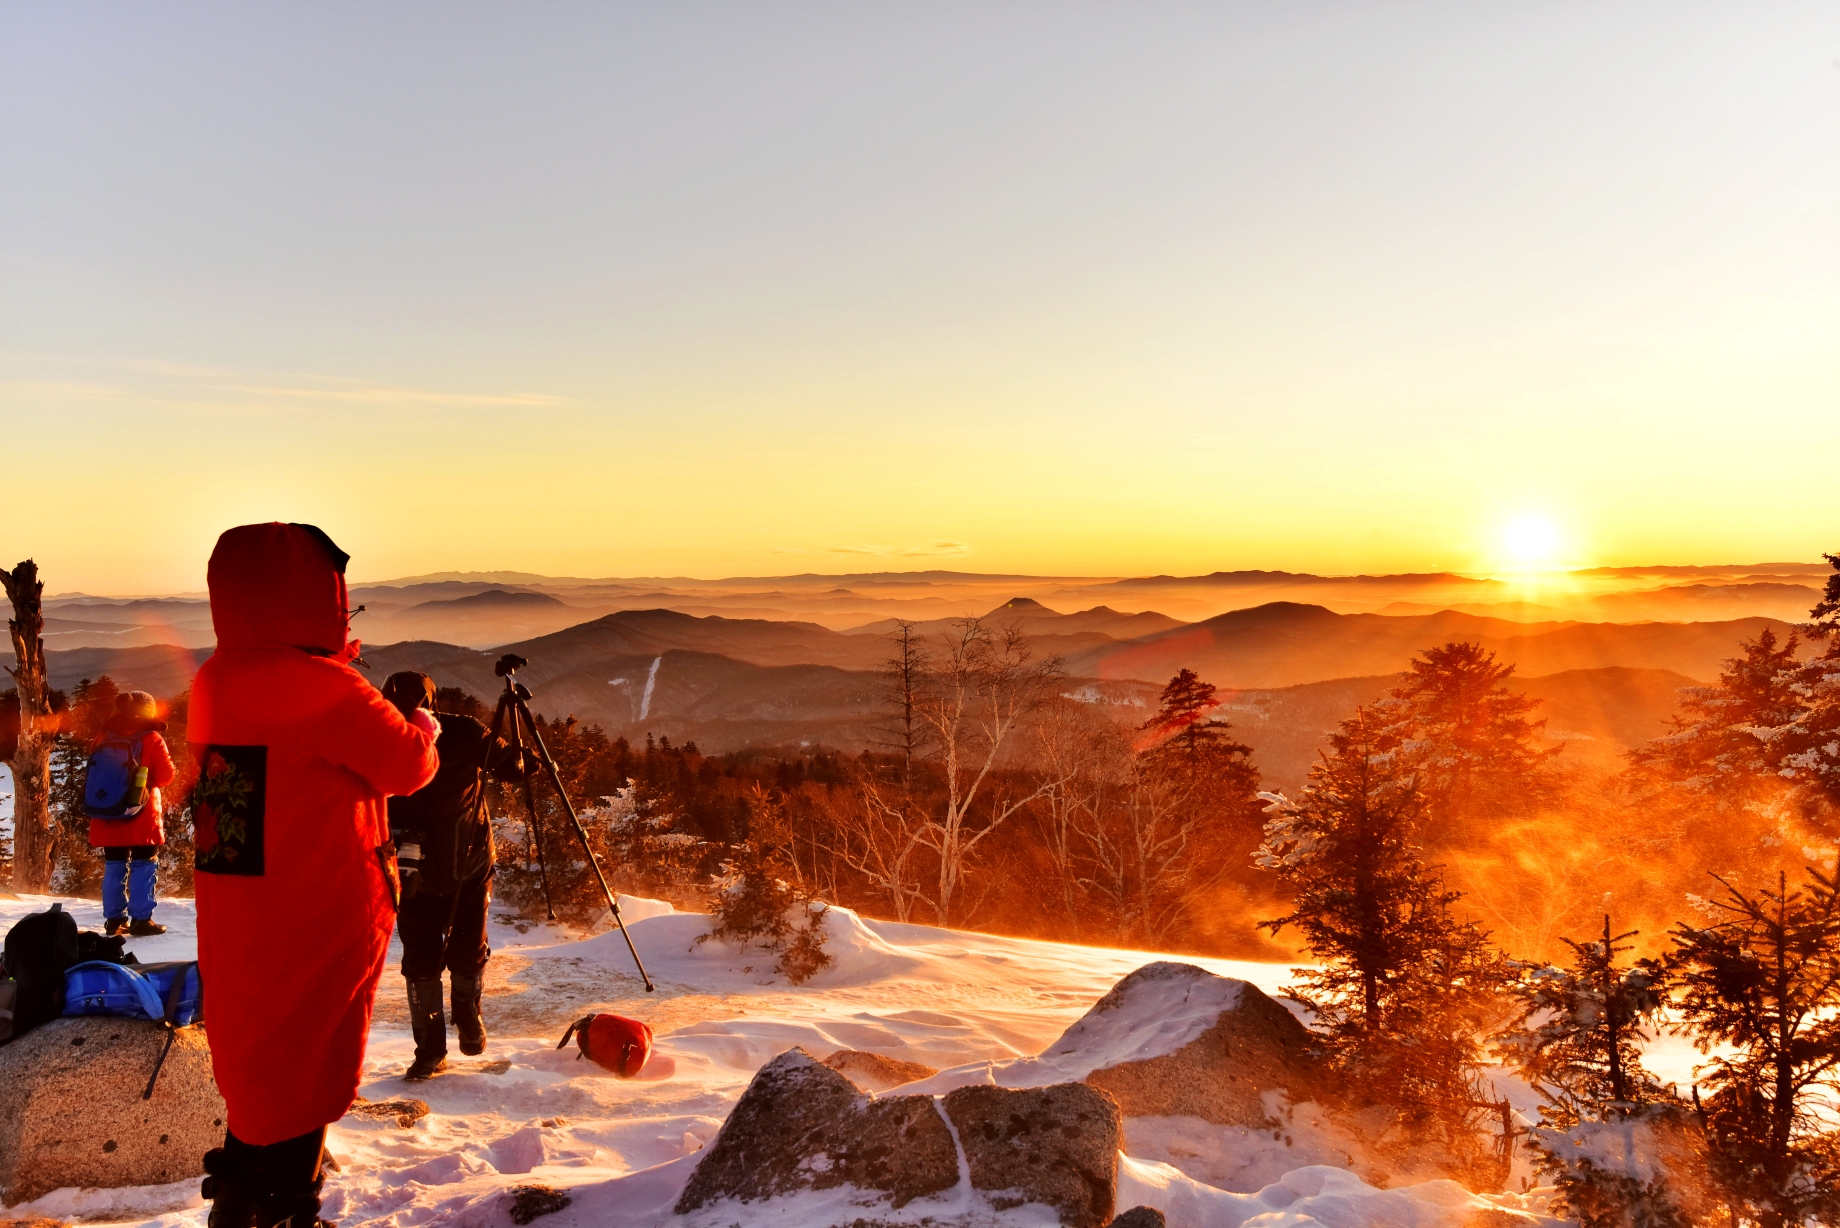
<point x="276" y="585"/>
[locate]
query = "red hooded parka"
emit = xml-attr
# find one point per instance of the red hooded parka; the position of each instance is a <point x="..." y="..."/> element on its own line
<point x="147" y="827"/>
<point x="296" y="882"/>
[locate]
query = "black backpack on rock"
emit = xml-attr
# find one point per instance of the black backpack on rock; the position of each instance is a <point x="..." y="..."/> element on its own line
<point x="39" y="950"/>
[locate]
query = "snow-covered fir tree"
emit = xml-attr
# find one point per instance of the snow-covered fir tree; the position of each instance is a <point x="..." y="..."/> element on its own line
<point x="1404" y="991"/>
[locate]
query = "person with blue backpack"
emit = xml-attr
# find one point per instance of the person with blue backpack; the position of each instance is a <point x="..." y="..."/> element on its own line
<point x="128" y="766"/>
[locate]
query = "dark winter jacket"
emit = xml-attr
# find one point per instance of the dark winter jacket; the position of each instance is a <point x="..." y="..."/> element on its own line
<point x="445" y="816"/>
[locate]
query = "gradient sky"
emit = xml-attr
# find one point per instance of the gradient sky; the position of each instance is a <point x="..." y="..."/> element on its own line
<point x="714" y="289"/>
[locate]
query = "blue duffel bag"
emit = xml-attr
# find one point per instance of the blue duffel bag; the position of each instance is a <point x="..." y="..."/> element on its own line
<point x="168" y="993"/>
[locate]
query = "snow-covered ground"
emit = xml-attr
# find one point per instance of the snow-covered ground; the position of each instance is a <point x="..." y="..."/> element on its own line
<point x="526" y="1112"/>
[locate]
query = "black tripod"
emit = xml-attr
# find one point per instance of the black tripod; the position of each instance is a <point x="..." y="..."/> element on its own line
<point x="510" y="722"/>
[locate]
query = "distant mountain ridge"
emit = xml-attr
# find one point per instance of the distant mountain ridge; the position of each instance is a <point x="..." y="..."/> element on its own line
<point x="1287" y="643"/>
<point x="492" y="598"/>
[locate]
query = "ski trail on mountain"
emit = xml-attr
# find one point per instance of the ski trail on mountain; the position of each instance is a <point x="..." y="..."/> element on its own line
<point x="651" y="680"/>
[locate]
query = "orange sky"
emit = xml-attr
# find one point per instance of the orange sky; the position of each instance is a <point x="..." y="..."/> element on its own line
<point x="1083" y="289"/>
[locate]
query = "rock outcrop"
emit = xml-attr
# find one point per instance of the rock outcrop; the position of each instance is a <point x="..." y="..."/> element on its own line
<point x="802" y="1126"/>
<point x="1053" y="1145"/>
<point x="1140" y="1217"/>
<point x="404" y="1113"/>
<point x="71" y="1112"/>
<point x="875" y="1073"/>
<point x="1225" y="1044"/>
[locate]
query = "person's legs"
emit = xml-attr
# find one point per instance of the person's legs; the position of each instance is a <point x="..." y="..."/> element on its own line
<point x="143" y="872"/>
<point x="114" y="888"/>
<point x="422" y="923"/>
<point x="467" y="953"/>
<point x="265" y="1186"/>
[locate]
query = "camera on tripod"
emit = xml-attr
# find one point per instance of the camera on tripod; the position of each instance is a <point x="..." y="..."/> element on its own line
<point x="512" y="722"/>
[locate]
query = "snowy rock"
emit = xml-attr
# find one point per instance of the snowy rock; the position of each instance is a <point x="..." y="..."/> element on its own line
<point x="803" y="1126"/>
<point x="532" y="1202"/>
<point x="1140" y="1217"/>
<point x="1169" y="1040"/>
<point x="875" y="1073"/>
<point x="1052" y="1145"/>
<point x="404" y="1113"/>
<point x="1173" y="1040"/>
<point x="71" y="1112"/>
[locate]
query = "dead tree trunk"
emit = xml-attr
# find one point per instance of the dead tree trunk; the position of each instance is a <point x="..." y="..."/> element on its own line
<point x="31" y="761"/>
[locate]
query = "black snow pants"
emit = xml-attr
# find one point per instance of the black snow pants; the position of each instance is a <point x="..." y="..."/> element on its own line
<point x="447" y="932"/>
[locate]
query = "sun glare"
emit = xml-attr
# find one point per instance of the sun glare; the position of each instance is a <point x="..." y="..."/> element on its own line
<point x="1530" y="540"/>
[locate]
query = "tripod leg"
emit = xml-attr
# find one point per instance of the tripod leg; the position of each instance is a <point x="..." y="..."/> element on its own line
<point x="613" y="902"/>
<point x="530" y="800"/>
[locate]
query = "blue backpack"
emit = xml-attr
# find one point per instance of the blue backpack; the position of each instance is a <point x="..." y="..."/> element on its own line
<point x="115" y="782"/>
<point x="171" y="994"/>
<point x="165" y="993"/>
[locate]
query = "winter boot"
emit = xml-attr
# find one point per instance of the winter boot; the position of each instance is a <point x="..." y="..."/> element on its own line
<point x="429" y="1027"/>
<point x="467" y="1020"/>
<point x="299" y="1209"/>
<point x="114" y="925"/>
<point x="235" y="1201"/>
<point x="272" y="1186"/>
<point x="145" y="927"/>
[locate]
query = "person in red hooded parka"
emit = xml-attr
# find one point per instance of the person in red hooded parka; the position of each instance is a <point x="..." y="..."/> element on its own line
<point x="296" y="878"/>
<point x="131" y="845"/>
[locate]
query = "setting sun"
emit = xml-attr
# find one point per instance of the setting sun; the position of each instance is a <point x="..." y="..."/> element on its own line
<point x="1530" y="540"/>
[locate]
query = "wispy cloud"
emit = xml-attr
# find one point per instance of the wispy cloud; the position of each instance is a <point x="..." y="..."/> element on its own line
<point x="925" y="550"/>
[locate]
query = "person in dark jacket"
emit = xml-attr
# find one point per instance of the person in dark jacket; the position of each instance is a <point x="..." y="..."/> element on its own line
<point x="444" y="845"/>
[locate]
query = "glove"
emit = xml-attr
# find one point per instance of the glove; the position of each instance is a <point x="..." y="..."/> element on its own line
<point x="424" y="720"/>
<point x="409" y="870"/>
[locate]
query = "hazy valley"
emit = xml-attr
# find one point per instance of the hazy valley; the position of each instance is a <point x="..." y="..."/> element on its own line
<point x="793" y="662"/>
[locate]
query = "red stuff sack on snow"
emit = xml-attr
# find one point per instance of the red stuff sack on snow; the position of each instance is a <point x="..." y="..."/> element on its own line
<point x="620" y="1044"/>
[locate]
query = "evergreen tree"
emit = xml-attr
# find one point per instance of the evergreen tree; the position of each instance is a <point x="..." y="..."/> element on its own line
<point x="1182" y="723"/>
<point x="1473" y="741"/>
<point x="1824" y="619"/>
<point x="1713" y="745"/>
<point x="1760" y="988"/>
<point x="1192" y="759"/>
<point x="1742" y="775"/>
<point x="461" y="702"/>
<point x="762" y="898"/>
<point x="1404" y="991"/>
<point x="1578" y="1039"/>
<point x="1811" y="752"/>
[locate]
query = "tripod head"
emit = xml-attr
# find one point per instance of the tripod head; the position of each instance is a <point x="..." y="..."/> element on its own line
<point x="507" y="667"/>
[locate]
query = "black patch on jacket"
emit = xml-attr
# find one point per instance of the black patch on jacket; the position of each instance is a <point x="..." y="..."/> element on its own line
<point x="228" y="806"/>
